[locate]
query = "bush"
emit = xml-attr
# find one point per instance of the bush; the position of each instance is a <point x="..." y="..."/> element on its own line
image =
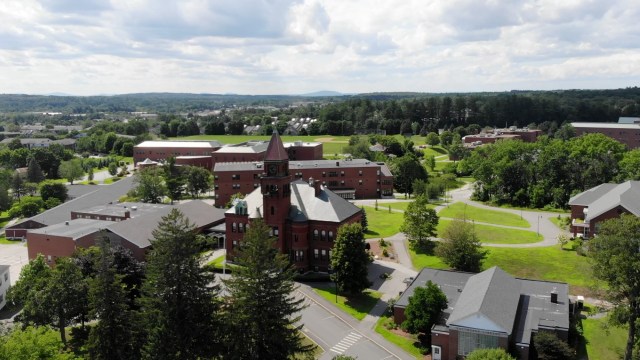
<point x="51" y="203"/>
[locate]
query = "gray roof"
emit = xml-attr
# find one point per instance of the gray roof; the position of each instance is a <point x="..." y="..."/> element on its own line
<point x="305" y="205"/>
<point x="253" y="146"/>
<point x="589" y="125"/>
<point x="628" y="120"/>
<point x="135" y="209"/>
<point x="102" y="194"/>
<point x="179" y="143"/>
<point x="327" y="206"/>
<point x="65" y="141"/>
<point x="489" y="301"/>
<point x="139" y="230"/>
<point x="605" y="197"/>
<point x="488" y="298"/>
<point x="74" y="229"/>
<point x="301" y="164"/>
<point x="588" y="196"/>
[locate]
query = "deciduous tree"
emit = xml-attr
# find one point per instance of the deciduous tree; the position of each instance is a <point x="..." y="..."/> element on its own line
<point x="71" y="170"/>
<point x="460" y="247"/>
<point x="198" y="180"/>
<point x="550" y="347"/>
<point x="349" y="260"/>
<point x="489" y="354"/>
<point x="264" y="312"/>
<point x="149" y="184"/>
<point x="424" y="308"/>
<point x="420" y="222"/>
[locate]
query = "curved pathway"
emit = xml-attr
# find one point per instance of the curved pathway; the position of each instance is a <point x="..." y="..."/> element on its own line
<point x="538" y="220"/>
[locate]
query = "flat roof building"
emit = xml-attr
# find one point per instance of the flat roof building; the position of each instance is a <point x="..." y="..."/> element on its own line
<point x="627" y="133"/>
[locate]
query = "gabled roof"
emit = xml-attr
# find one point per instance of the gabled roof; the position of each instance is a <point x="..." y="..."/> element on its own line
<point x="626" y="195"/>
<point x="588" y="196"/>
<point x="489" y="301"/>
<point x="276" y="150"/>
<point x="327" y="206"/>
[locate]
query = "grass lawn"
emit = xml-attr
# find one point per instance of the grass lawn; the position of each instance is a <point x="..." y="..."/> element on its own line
<point x="543" y="263"/>
<point x="602" y="343"/>
<point x="358" y="307"/>
<point x="317" y="352"/>
<point x="461" y="210"/>
<point x="4" y="218"/>
<point x="435" y="151"/>
<point x="400" y="205"/>
<point x="407" y="344"/>
<point x="497" y="235"/>
<point x="5" y="241"/>
<point x="382" y="223"/>
<point x="559" y="222"/>
<point x="111" y="180"/>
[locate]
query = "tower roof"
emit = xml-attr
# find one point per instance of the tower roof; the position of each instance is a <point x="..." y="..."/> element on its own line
<point x="276" y="150"/>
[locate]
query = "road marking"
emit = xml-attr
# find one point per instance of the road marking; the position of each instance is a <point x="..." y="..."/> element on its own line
<point x="346" y="343"/>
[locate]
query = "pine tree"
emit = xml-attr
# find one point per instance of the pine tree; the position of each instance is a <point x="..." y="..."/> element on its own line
<point x="114" y="335"/>
<point x="350" y="260"/>
<point x="363" y="220"/>
<point x="263" y="312"/>
<point x="178" y="304"/>
<point x="34" y="172"/>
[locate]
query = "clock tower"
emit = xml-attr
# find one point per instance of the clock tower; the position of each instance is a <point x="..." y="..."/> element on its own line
<point x="276" y="189"/>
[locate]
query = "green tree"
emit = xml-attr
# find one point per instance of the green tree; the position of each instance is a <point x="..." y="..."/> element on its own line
<point x="363" y="220"/>
<point x="420" y="223"/>
<point x="29" y="292"/>
<point x="34" y="172"/>
<point x="489" y="354"/>
<point x="53" y="190"/>
<point x="173" y="179"/>
<point x="71" y="170"/>
<point x="113" y="169"/>
<point x="550" y="347"/>
<point x="406" y="170"/>
<point x="179" y="303"/>
<point x="460" y="247"/>
<point x="616" y="260"/>
<point x="263" y="313"/>
<point x="350" y="260"/>
<point x="5" y="200"/>
<point x="424" y="308"/>
<point x="630" y="166"/>
<point x="199" y="180"/>
<point x="90" y="173"/>
<point x="149" y="185"/>
<point x="17" y="185"/>
<point x="430" y="161"/>
<point x="114" y="335"/>
<point x="432" y="139"/>
<point x="33" y="343"/>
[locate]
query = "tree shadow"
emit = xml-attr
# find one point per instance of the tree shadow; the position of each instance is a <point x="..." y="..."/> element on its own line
<point x="371" y="232"/>
<point x="378" y="274"/>
<point x="426" y="247"/>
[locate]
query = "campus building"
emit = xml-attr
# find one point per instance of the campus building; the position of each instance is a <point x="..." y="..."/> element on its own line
<point x="186" y="152"/>
<point x="603" y="202"/>
<point x="491" y="309"/>
<point x="5" y="283"/>
<point x="626" y="132"/>
<point x="350" y="178"/>
<point x="524" y="134"/>
<point x="304" y="216"/>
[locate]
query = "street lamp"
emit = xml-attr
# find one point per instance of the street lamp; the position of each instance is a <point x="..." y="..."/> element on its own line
<point x="539" y="217"/>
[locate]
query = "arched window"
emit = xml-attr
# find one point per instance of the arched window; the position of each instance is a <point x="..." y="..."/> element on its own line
<point x="324" y="235"/>
<point x="234" y="227"/>
<point x="315" y="234"/>
<point x="330" y="235"/>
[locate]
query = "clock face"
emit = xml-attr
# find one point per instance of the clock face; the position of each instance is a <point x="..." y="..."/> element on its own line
<point x="273" y="169"/>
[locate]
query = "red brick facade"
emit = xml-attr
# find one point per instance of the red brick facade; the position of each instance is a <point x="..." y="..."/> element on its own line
<point x="161" y="150"/>
<point x="628" y="134"/>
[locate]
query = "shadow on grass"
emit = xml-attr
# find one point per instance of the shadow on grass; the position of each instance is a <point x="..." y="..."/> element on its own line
<point x="361" y="303"/>
<point x="371" y="232"/>
<point x="424" y="247"/>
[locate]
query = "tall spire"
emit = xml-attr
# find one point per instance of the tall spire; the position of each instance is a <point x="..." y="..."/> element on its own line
<point x="276" y="150"/>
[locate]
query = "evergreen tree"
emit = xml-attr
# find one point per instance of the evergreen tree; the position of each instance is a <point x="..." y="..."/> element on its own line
<point x="5" y="200"/>
<point x="263" y="312"/>
<point x="363" y="221"/>
<point x="350" y="260"/>
<point x="179" y="301"/>
<point x="34" y="172"/>
<point x="17" y="185"/>
<point x="113" y="336"/>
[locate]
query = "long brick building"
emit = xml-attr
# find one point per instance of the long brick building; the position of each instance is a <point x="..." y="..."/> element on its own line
<point x="626" y="133"/>
<point x="304" y="216"/>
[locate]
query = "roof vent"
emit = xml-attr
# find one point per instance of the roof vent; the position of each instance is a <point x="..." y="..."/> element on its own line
<point x="134" y="208"/>
<point x="554" y="296"/>
<point x="66" y="223"/>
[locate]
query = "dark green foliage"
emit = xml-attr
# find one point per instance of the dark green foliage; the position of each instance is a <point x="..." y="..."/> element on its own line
<point x="115" y="335"/>
<point x="460" y="247"/>
<point x="616" y="261"/>
<point x="71" y="170"/>
<point x="406" y="170"/>
<point x="420" y="222"/>
<point x="149" y="184"/>
<point x="17" y="185"/>
<point x="264" y="312"/>
<point x="549" y="347"/>
<point x="33" y="343"/>
<point x="174" y="179"/>
<point x="350" y="260"/>
<point x="179" y="299"/>
<point x="50" y="190"/>
<point x="424" y="308"/>
<point x="34" y="172"/>
<point x="489" y="354"/>
<point x="363" y="220"/>
<point x="5" y="200"/>
<point x="198" y="180"/>
<point x="113" y="169"/>
<point x="29" y="206"/>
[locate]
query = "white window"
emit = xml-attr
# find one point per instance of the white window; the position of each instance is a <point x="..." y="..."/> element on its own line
<point x="315" y="254"/>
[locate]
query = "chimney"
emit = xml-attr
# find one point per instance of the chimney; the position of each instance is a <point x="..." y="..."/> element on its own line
<point x="127" y="214"/>
<point x="554" y="296"/>
<point x="317" y="186"/>
<point x="311" y="181"/>
<point x="337" y="163"/>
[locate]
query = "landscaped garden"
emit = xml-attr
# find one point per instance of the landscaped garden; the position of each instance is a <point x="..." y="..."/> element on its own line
<point x="407" y="342"/>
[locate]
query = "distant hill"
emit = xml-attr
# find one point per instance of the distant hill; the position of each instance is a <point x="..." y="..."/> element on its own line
<point x="323" y="93"/>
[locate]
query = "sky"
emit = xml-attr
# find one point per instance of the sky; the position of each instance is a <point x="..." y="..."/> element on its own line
<point x="90" y="47"/>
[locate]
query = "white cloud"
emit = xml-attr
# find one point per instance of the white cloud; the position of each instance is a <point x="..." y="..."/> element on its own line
<point x="280" y="46"/>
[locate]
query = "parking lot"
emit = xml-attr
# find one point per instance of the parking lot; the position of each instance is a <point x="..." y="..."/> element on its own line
<point x="16" y="256"/>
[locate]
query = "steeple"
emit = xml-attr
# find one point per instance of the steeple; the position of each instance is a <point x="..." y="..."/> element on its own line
<point x="276" y="150"/>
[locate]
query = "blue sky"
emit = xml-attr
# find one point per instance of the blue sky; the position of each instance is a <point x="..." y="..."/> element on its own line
<point x="87" y="47"/>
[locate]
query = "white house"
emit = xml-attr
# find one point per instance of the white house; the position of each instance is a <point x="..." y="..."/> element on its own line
<point x="5" y="282"/>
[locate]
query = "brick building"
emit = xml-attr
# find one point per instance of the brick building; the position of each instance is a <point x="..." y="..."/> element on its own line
<point x="626" y="133"/>
<point x="526" y="135"/>
<point x="304" y="216"/>
<point x="351" y="179"/>
<point x="603" y="202"/>
<point x="491" y="309"/>
<point x="5" y="283"/>
<point x="161" y="150"/>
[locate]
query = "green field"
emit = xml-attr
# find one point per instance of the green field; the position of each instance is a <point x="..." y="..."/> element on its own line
<point x="544" y="263"/>
<point x="382" y="223"/>
<point x="5" y="241"/>
<point x="358" y="307"/>
<point x="497" y="235"/>
<point x="461" y="210"/>
<point x="602" y="342"/>
<point x="435" y="152"/>
<point x="400" y="205"/>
